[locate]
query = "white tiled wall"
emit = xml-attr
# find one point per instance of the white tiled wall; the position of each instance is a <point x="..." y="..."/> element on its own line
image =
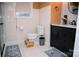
<point x="10" y="23"/>
<point x="28" y="24"/>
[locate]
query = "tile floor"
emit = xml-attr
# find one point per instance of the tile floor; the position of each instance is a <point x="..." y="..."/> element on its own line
<point x="36" y="51"/>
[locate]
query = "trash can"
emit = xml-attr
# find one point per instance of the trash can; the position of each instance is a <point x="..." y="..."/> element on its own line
<point x="41" y="40"/>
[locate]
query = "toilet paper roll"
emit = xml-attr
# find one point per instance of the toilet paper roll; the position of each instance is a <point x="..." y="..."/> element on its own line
<point x="21" y="28"/>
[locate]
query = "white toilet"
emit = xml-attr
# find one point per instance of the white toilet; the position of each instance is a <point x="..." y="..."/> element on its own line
<point x="35" y="36"/>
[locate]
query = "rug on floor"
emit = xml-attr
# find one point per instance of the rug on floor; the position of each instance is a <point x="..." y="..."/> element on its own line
<point x="12" y="51"/>
<point x="55" y="53"/>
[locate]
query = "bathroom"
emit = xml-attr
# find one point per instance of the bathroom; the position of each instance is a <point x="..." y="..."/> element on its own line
<point x="21" y="19"/>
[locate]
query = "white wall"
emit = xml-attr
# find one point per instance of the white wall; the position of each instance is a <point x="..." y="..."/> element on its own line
<point x="29" y="25"/>
<point x="76" y="47"/>
<point x="45" y="21"/>
<point x="65" y="11"/>
<point x="13" y="34"/>
<point x="16" y="35"/>
<point x="10" y="23"/>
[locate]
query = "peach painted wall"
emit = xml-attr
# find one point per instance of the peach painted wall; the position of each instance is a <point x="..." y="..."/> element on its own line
<point x="56" y="12"/>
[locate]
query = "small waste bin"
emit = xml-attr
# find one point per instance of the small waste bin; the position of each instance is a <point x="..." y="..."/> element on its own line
<point x="41" y="40"/>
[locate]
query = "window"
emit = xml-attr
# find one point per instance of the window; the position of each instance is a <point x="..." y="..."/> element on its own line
<point x="23" y="9"/>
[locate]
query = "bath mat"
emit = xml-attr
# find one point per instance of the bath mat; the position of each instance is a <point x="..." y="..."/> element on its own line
<point x="12" y="51"/>
<point x="55" y="53"/>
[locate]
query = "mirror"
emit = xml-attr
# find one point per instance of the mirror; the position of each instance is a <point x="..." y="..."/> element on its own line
<point x="73" y="7"/>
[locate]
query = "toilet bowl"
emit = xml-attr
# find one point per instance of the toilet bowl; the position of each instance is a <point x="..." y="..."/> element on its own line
<point x="31" y="36"/>
<point x="35" y="36"/>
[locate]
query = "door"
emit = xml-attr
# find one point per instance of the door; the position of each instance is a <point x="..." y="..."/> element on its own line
<point x="1" y="31"/>
<point x="1" y="35"/>
<point x="2" y="28"/>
